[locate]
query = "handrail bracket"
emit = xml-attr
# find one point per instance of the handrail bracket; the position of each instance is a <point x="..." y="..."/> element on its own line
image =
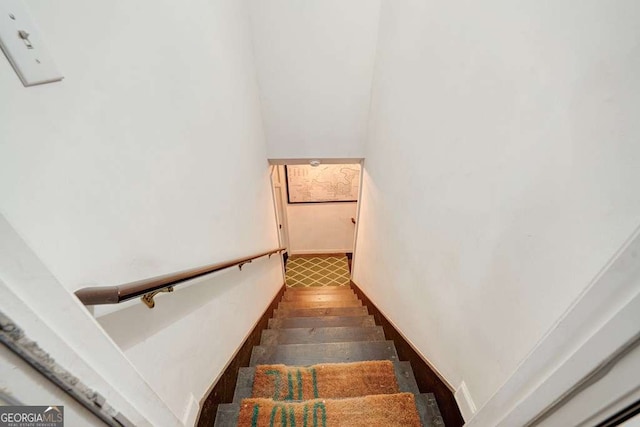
<point x="147" y="298"/>
<point x="243" y="263"/>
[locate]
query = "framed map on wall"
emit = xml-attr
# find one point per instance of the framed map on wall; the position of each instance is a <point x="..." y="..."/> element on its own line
<point x="322" y="184"/>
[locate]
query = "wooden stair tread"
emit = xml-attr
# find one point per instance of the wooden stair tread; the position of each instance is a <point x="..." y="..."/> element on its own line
<point x="319" y="312"/>
<point x="311" y="354"/>
<point x="320" y="322"/>
<point x="320" y="304"/>
<point x="427" y="409"/>
<point x="321" y="335"/>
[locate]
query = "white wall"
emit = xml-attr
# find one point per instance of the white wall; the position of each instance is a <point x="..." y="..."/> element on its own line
<point x="52" y="317"/>
<point x="315" y="64"/>
<point x="315" y="228"/>
<point x="500" y="172"/>
<point x="185" y="342"/>
<point x="321" y="227"/>
<point x="148" y="158"/>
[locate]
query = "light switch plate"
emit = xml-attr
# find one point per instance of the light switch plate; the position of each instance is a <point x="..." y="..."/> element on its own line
<point x="24" y="46"/>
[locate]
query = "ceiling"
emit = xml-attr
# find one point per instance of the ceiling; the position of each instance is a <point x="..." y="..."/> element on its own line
<point x="315" y="62"/>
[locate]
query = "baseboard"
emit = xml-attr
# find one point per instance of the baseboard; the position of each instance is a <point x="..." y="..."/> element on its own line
<point x="224" y="386"/>
<point x="191" y="412"/>
<point x="465" y="402"/>
<point x="427" y="376"/>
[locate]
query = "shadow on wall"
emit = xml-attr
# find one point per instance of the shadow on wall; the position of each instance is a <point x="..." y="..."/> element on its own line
<point x="134" y="323"/>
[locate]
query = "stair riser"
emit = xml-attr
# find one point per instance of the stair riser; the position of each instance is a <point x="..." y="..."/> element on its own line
<point x="311" y="354"/>
<point x="319" y="312"/>
<point x="328" y="304"/>
<point x="320" y="335"/>
<point x="321" y="322"/>
<point x="319" y="298"/>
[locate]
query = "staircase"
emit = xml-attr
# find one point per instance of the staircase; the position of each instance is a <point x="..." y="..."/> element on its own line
<point x="314" y="326"/>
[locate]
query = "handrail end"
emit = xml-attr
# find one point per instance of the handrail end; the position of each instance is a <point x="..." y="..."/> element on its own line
<point x="98" y="295"/>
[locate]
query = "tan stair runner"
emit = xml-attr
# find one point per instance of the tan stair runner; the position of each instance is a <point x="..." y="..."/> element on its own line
<point x="332" y="394"/>
<point x="331" y="380"/>
<point x="383" y="410"/>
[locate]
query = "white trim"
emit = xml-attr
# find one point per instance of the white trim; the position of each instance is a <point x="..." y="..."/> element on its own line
<point x="324" y="161"/>
<point x="617" y="407"/>
<point x="601" y="320"/>
<point x="465" y="402"/>
<point x="357" y="224"/>
<point x="276" y="186"/>
<point x="191" y="412"/>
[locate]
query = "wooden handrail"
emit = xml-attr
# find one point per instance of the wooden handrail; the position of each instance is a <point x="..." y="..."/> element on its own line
<point x="148" y="288"/>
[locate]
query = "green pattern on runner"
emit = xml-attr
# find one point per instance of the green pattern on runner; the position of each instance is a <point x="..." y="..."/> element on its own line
<point x="283" y="416"/>
<point x="277" y="380"/>
<point x="299" y="375"/>
<point x="315" y="383"/>
<point x="290" y="383"/>
<point x="254" y="418"/>
<point x="292" y="417"/>
<point x="316" y="406"/>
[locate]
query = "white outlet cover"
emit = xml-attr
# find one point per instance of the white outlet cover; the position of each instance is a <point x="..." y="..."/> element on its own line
<point x="34" y="66"/>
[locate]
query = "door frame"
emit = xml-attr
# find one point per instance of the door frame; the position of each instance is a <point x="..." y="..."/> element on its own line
<point x="275" y="163"/>
<point x="357" y="224"/>
<point x="277" y="187"/>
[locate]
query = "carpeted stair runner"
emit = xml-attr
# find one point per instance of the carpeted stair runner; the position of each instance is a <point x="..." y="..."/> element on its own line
<point x="333" y="380"/>
<point x="390" y="410"/>
<point x="323" y="362"/>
